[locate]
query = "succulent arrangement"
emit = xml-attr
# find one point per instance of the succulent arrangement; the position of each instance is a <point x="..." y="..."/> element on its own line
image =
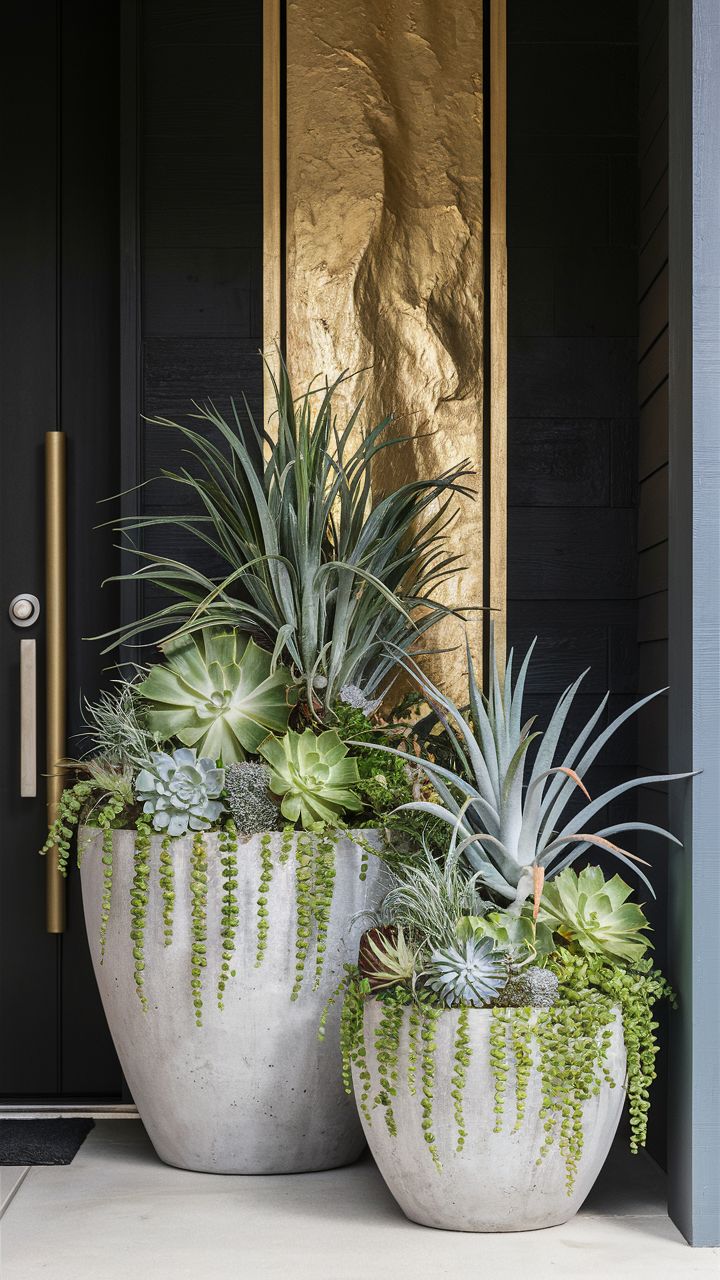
<point x="267" y="712"/>
<point x="490" y="914"/>
<point x="263" y="674"/>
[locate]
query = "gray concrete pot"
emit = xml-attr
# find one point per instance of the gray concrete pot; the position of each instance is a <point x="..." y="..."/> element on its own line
<point x="495" y="1183"/>
<point x="252" y="1090"/>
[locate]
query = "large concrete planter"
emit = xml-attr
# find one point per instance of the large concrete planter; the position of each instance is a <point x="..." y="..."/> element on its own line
<point x="252" y="1090"/>
<point x="495" y="1183"/>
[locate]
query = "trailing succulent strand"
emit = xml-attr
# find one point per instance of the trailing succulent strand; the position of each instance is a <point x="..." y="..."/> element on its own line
<point x="106" y="816"/>
<point x="263" y="915"/>
<point x="352" y="1038"/>
<point x="322" y="899"/>
<point x="286" y="842"/>
<point x="229" y="911"/>
<point x="427" y="1066"/>
<point x="636" y="990"/>
<point x="387" y="1036"/>
<point x="414" y="1024"/>
<point x="107" y="873"/>
<point x="166" y="878"/>
<point x="304" y="904"/>
<point x="72" y="803"/>
<point x="138" y="904"/>
<point x="521" y="1037"/>
<point x="462" y="1054"/>
<point x="198" y="898"/>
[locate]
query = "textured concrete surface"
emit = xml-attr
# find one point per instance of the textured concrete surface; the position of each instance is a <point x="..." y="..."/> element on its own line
<point x="495" y="1183"/>
<point x="117" y="1212"/>
<point x="252" y="1090"/>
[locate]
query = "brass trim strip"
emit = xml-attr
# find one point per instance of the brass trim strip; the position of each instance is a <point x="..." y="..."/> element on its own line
<point x="272" y="211"/>
<point x="28" y="718"/>
<point x="497" y="461"/>
<point x="56" y="642"/>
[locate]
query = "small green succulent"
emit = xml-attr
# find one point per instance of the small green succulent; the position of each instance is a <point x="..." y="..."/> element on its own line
<point x="469" y="972"/>
<point x="217" y="692"/>
<point x="314" y="776"/>
<point x="593" y="913"/>
<point x="519" y="936"/>
<point x="181" y="792"/>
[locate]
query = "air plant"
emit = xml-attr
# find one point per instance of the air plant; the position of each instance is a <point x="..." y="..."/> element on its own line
<point x="115" y="726"/>
<point x="217" y="692"/>
<point x="514" y="833"/>
<point x="327" y="576"/>
<point x="314" y="775"/>
<point x="429" y="897"/>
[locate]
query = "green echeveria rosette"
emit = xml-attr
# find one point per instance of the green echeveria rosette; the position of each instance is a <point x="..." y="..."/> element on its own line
<point x="180" y="792"/>
<point x="217" y="692"/>
<point x="592" y="913"/>
<point x="313" y="775"/>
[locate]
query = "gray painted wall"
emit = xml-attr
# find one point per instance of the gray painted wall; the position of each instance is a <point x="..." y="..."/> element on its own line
<point x="694" y="613"/>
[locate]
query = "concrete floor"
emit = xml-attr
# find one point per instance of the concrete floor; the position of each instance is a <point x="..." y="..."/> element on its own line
<point x="117" y="1213"/>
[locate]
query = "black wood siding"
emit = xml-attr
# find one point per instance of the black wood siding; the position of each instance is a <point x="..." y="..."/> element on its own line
<point x="195" y="185"/>
<point x="572" y="247"/>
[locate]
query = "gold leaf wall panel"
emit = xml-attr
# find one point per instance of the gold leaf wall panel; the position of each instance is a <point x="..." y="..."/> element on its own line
<point x="384" y="235"/>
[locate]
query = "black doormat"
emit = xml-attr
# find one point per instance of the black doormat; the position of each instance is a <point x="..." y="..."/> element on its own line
<point x="42" y="1141"/>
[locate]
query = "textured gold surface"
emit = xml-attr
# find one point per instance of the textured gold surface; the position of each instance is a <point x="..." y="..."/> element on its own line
<point x="384" y="263"/>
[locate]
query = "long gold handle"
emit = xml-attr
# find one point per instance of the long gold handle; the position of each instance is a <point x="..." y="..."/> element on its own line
<point x="56" y="639"/>
<point x="28" y="718"/>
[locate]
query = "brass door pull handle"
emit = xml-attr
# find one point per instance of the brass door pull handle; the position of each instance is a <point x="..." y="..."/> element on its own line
<point x="28" y="718"/>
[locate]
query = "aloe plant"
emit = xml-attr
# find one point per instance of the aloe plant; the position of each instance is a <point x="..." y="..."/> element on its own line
<point x="318" y="569"/>
<point x="593" y="913"/>
<point x="514" y="834"/>
<point x="314" y="775"/>
<point x="218" y="693"/>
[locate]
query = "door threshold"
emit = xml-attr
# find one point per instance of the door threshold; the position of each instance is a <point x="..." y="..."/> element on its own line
<point x="70" y="1111"/>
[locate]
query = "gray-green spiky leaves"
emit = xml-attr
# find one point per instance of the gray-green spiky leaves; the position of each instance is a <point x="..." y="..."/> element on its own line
<point x="334" y="578"/>
<point x="181" y="792"/>
<point x="217" y="692"/>
<point x="314" y="775"/>
<point x="515" y="831"/>
<point x="593" y="913"/>
<point x="466" y="973"/>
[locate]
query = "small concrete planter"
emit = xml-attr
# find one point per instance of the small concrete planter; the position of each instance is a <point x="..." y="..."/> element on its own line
<point x="252" y="1090"/>
<point x="495" y="1182"/>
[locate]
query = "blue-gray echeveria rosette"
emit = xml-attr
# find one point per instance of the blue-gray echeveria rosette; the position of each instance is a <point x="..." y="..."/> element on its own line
<point x="181" y="792"/>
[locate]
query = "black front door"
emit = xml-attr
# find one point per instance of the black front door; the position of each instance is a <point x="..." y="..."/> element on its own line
<point x="131" y="283"/>
<point x="58" y="370"/>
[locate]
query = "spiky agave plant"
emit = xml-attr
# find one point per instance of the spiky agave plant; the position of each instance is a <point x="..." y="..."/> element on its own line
<point x="323" y="573"/>
<point x="512" y="833"/>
